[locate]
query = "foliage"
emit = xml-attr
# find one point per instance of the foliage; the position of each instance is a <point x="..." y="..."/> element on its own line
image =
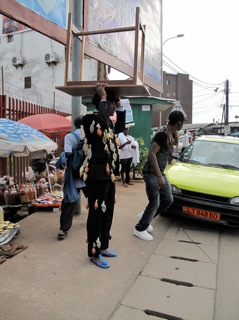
<point x="143" y="155"/>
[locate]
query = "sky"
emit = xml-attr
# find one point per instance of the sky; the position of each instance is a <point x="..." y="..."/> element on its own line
<point x="208" y="52"/>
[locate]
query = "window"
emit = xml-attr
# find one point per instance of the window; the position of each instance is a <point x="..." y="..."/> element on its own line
<point x="27" y="82"/>
<point x="10" y="38"/>
<point x="167" y="82"/>
<point x="167" y="94"/>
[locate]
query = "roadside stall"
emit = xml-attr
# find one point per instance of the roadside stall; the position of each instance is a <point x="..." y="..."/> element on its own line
<point x="22" y="140"/>
<point x="48" y="179"/>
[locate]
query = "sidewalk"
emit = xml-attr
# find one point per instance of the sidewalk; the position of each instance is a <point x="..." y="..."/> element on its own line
<point x="54" y="279"/>
<point x="179" y="280"/>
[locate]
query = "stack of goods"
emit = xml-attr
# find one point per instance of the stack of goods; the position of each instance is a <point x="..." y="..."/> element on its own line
<point x="12" y="194"/>
<point x="27" y="193"/>
<point x="46" y="198"/>
<point x="8" y="191"/>
<point x="60" y="176"/>
<point x="56" y="177"/>
<point x="49" y="200"/>
<point x="42" y="187"/>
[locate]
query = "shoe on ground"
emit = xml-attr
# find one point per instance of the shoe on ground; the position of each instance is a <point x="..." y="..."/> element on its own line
<point x="125" y="185"/>
<point x="150" y="227"/>
<point x="109" y="253"/>
<point x="62" y="235"/>
<point x="130" y="184"/>
<point x="144" y="235"/>
<point x="101" y="263"/>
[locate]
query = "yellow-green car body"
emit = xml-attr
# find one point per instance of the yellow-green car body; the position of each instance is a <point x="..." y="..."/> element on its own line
<point x="205" y="180"/>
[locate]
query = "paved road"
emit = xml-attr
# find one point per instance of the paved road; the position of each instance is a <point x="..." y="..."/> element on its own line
<point x="188" y="271"/>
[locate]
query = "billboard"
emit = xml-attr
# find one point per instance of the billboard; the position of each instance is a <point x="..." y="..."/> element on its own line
<point x="113" y="49"/>
<point x="53" y="10"/>
<point x="105" y="14"/>
<point x="11" y="26"/>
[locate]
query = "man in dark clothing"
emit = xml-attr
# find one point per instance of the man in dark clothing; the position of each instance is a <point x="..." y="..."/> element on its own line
<point x="99" y="170"/>
<point x="158" y="188"/>
<point x="72" y="184"/>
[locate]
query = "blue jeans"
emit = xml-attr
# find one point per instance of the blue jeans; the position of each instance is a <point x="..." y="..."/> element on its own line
<point x="159" y="200"/>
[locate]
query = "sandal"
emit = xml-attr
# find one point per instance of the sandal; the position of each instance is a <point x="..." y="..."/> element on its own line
<point x="62" y="236"/>
<point x="109" y="253"/>
<point x="102" y="263"/>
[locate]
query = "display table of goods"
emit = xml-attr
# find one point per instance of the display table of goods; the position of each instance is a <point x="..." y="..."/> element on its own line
<point x="51" y="196"/>
<point x="51" y="199"/>
<point x="16" y="201"/>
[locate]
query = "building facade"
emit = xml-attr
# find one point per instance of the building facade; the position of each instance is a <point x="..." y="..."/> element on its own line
<point x="179" y="87"/>
<point x="32" y="65"/>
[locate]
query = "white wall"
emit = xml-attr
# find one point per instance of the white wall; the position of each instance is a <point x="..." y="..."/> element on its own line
<point x="33" y="47"/>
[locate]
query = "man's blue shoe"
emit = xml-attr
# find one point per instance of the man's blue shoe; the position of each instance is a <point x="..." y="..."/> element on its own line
<point x="109" y="253"/>
<point x="101" y="263"/>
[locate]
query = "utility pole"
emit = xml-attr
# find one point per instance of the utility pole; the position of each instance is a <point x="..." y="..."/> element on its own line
<point x="76" y="108"/>
<point x="77" y="18"/>
<point x="227" y="102"/>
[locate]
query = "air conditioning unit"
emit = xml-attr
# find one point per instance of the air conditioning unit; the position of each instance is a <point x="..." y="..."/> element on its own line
<point x="18" y="61"/>
<point x="51" y="57"/>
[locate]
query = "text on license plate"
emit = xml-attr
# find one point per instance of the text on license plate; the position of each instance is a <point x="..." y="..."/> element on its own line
<point x="202" y="213"/>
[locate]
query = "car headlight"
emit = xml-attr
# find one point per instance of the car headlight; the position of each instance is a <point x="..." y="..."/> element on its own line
<point x="235" y="201"/>
<point x="175" y="190"/>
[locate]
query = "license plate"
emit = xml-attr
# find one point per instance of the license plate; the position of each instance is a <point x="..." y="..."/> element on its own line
<point x="202" y="213"/>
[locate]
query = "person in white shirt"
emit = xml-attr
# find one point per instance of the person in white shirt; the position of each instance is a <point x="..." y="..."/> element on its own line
<point x="185" y="141"/>
<point x="126" y="155"/>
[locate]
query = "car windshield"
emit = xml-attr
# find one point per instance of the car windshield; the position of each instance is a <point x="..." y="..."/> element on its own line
<point x="212" y="153"/>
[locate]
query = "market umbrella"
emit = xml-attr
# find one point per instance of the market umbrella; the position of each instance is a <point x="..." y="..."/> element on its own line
<point x="51" y="124"/>
<point x="22" y="140"/>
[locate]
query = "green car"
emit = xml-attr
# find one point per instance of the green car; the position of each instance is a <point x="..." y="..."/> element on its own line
<point x="205" y="180"/>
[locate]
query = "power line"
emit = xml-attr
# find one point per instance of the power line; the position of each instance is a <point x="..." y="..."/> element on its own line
<point x="211" y="84"/>
<point x="205" y="86"/>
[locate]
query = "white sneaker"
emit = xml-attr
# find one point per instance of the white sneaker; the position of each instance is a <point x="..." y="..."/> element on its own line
<point x="150" y="227"/>
<point x="144" y="235"/>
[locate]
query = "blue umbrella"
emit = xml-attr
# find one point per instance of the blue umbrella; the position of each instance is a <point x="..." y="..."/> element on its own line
<point x="22" y="140"/>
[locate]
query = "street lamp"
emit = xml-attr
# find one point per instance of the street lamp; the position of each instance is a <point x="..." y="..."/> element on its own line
<point x="177" y="36"/>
